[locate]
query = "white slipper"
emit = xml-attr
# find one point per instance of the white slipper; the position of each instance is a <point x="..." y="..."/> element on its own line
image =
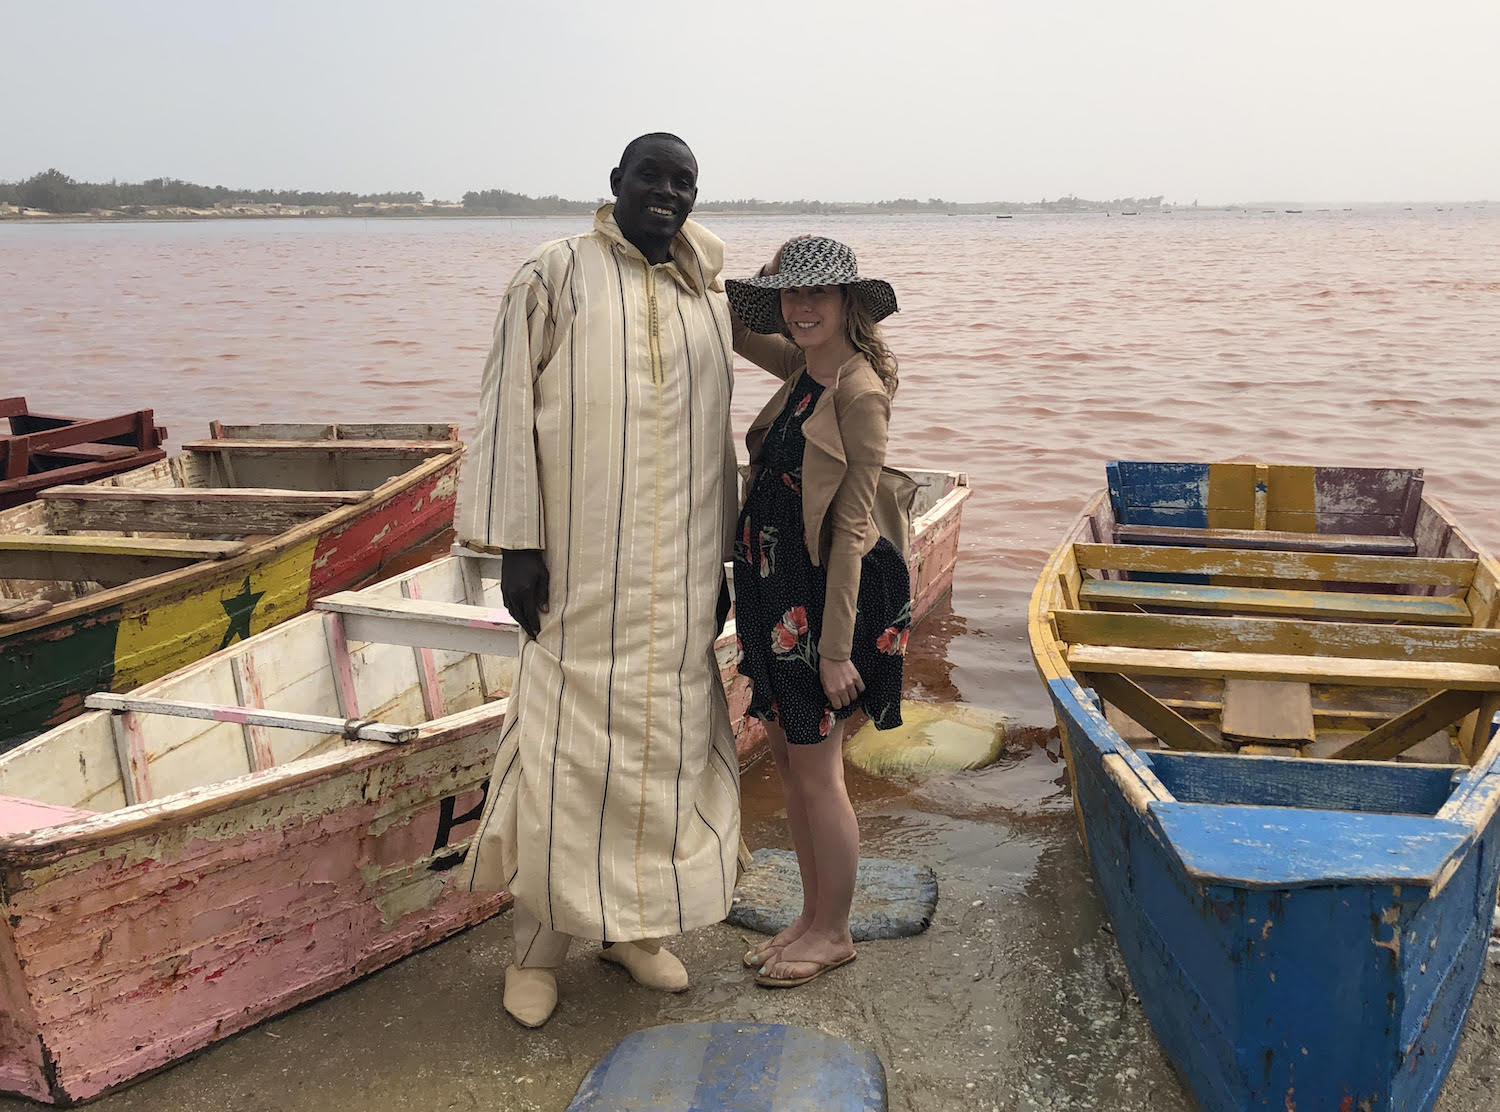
<point x="660" y="970"/>
<point x="530" y="995"/>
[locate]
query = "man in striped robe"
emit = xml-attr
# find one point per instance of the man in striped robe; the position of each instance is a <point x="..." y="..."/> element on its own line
<point x="603" y="472"/>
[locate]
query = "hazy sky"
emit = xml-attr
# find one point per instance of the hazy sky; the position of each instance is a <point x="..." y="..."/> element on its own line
<point x="1334" y="100"/>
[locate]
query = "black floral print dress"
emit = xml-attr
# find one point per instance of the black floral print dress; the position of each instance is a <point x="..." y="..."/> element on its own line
<point x="778" y="598"/>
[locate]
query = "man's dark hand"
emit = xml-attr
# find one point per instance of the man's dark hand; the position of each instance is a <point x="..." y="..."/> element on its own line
<point x="721" y="610"/>
<point x="523" y="586"/>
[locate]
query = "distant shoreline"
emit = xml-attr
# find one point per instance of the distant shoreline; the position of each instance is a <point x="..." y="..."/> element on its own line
<point x="11" y="215"/>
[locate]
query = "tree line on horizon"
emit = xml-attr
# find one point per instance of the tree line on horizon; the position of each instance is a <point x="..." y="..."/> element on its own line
<point x="53" y="191"/>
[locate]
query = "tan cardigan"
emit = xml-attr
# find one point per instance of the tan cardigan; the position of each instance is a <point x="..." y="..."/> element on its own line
<point x="846" y="437"/>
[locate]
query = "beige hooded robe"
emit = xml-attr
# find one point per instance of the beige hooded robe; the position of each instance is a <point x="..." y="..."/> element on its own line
<point x="604" y="439"/>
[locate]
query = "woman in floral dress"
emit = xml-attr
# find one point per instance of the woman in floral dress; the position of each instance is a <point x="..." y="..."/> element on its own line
<point x="822" y="601"/>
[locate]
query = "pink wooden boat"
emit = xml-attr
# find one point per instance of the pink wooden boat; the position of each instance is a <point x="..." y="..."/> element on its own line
<point x="191" y="863"/>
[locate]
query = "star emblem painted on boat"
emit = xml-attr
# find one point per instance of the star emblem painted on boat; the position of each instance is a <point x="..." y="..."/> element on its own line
<point x="239" y="608"/>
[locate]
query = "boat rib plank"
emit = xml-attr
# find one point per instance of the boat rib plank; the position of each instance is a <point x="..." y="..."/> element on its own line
<point x="1394" y="737"/>
<point x="1428" y="609"/>
<point x="1276" y="564"/>
<point x="1276" y="666"/>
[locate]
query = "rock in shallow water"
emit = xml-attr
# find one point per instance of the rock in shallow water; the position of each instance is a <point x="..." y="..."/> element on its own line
<point x="891" y="898"/>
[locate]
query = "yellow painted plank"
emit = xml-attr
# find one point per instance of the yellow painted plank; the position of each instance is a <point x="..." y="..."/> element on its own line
<point x="1429" y="610"/>
<point x="1300" y="541"/>
<point x="1276" y="564"/>
<point x="1276" y="666"/>
<point x="1219" y="633"/>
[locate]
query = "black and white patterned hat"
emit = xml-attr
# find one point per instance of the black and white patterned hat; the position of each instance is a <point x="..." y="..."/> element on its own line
<point x="809" y="261"/>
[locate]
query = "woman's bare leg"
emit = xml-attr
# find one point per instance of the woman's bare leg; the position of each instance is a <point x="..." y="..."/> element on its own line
<point x="796" y="815"/>
<point x="818" y="773"/>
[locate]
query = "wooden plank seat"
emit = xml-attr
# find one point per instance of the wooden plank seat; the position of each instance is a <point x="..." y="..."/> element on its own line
<point x="1428" y="610"/>
<point x="1351" y="543"/>
<point x="1358" y="672"/>
<point x="1220" y="633"/>
<point x="106" y="560"/>
<point x="237" y="511"/>
<point x="89" y="453"/>
<point x="338" y="447"/>
<point x="424" y="624"/>
<point x="354" y="729"/>
<point x="1275" y="564"/>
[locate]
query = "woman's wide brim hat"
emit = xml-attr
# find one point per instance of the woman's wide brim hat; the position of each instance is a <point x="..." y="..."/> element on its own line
<point x="809" y="261"/>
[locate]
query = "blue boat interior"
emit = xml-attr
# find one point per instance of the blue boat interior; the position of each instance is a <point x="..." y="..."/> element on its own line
<point x="1397" y="789"/>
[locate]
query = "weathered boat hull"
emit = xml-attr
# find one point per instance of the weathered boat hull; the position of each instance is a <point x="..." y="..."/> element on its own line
<point x="166" y="881"/>
<point x="131" y="943"/>
<point x="1297" y="992"/>
<point x="125" y="637"/>
<point x="1305" y="919"/>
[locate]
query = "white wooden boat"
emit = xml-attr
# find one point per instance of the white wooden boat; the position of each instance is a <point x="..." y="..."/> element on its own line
<point x="253" y="831"/>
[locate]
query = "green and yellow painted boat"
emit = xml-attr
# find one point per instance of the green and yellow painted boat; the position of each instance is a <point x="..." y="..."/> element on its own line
<point x="107" y="585"/>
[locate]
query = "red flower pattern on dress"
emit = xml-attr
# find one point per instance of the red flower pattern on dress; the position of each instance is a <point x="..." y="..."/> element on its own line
<point x="783" y="639"/>
<point x="889" y="642"/>
<point x="802" y="405"/>
<point x="827" y="723"/>
<point x="791" y="483"/>
<point x="905" y="633"/>
<point x="796" y="619"/>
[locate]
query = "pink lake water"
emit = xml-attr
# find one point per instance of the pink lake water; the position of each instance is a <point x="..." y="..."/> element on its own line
<point x="1033" y="350"/>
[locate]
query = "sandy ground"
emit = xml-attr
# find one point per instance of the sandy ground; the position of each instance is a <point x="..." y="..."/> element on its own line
<point x="1015" y="999"/>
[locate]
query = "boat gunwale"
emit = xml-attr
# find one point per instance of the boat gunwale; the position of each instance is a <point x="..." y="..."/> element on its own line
<point x="445" y="454"/>
<point x="44" y="845"/>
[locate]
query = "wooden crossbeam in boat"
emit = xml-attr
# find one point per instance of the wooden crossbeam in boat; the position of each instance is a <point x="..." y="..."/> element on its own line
<point x="1325" y="566"/>
<point x="424" y="624"/>
<point x="336" y="447"/>
<point x="1392" y="738"/>
<point x="427" y="672"/>
<point x="226" y="510"/>
<point x="106" y="560"/>
<point x="1277" y="666"/>
<point x="356" y="729"/>
<point x="1266" y="539"/>
<point x="1165" y="724"/>
<point x="1220" y="633"/>
<point x="19" y="609"/>
<point x="487" y="564"/>
<point x="1426" y="609"/>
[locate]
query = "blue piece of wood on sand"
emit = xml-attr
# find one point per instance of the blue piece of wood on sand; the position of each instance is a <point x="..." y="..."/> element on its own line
<point x="892" y="899"/>
<point x="733" y="1067"/>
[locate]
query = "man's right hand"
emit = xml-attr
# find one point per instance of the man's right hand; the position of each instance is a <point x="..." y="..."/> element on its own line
<point x="523" y="586"/>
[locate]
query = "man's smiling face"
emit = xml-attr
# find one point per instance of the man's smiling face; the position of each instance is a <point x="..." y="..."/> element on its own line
<point x="654" y="192"/>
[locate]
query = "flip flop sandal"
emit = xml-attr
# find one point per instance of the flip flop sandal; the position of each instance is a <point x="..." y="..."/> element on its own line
<point x="767" y="981"/>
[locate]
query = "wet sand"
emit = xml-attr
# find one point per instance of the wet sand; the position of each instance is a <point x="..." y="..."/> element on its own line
<point x="1016" y="998"/>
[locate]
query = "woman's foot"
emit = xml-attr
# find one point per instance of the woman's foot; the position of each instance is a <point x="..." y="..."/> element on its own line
<point x="806" y="959"/>
<point x="757" y="956"/>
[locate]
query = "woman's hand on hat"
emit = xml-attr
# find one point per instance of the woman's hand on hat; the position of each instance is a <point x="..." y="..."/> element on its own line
<point x="841" y="681"/>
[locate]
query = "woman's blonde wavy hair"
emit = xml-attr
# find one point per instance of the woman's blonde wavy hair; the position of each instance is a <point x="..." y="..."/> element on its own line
<point x="869" y="341"/>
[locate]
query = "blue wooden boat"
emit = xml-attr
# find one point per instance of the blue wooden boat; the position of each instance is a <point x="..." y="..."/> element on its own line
<point x="1277" y="689"/>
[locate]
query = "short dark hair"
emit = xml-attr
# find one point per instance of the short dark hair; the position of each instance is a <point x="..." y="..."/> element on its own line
<point x="633" y="147"/>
